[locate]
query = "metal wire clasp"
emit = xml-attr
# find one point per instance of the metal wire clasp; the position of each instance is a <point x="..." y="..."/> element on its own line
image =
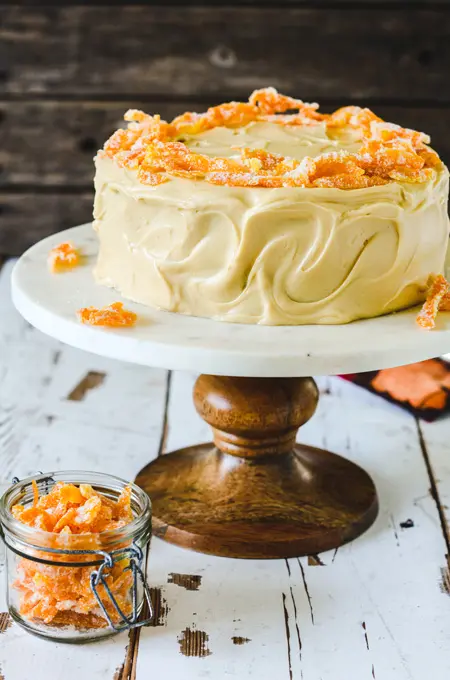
<point x="136" y="557"/>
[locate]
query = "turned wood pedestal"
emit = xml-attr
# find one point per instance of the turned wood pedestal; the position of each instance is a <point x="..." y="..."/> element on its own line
<point x="254" y="492"/>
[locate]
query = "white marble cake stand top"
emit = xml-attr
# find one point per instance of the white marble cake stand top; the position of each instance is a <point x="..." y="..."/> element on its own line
<point x="174" y="341"/>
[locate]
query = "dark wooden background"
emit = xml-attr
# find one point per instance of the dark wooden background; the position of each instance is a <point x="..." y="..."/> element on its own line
<point x="68" y="72"/>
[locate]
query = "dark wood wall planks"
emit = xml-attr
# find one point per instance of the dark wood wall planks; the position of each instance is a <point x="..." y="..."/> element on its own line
<point x="194" y="51"/>
<point x="67" y="73"/>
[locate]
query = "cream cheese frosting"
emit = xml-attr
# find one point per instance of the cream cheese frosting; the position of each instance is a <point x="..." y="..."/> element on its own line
<point x="283" y="256"/>
<point x="286" y="140"/>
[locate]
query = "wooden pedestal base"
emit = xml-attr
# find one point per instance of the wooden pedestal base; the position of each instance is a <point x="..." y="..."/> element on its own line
<point x="255" y="493"/>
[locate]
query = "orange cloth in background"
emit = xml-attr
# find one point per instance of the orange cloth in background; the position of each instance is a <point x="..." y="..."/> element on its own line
<point x="423" y="388"/>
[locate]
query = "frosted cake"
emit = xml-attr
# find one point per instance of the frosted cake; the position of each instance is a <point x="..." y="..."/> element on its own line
<point x="270" y="212"/>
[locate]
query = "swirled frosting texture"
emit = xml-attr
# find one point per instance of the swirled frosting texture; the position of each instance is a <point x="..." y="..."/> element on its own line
<point x="285" y="256"/>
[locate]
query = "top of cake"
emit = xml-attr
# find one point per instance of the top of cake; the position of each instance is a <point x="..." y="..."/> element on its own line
<point x="273" y="141"/>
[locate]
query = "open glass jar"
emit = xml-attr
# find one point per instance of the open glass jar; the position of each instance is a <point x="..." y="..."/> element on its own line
<point x="83" y="586"/>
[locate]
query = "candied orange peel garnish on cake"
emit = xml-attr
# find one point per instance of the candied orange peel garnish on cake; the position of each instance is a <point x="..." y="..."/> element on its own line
<point x="388" y="152"/>
<point x="114" y="316"/>
<point x="438" y="299"/>
<point x="63" y="257"/>
<point x="62" y="595"/>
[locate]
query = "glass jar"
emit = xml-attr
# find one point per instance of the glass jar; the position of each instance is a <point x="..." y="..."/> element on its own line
<point x="104" y="571"/>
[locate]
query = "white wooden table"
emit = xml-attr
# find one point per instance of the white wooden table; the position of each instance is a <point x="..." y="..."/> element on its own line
<point x="376" y="608"/>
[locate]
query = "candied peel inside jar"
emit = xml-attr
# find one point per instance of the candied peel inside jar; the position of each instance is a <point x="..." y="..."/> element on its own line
<point x="60" y="595"/>
<point x="73" y="553"/>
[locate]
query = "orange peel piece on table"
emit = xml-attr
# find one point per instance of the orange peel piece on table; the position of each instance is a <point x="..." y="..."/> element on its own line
<point x="62" y="595"/>
<point x="63" y="257"/>
<point x="113" y="316"/>
<point x="424" y="385"/>
<point x="438" y="296"/>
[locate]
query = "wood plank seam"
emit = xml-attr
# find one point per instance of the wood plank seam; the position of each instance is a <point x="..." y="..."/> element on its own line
<point x="160" y="607"/>
<point x="187" y="100"/>
<point x="434" y="491"/>
<point x="433" y="487"/>
<point x="165" y="425"/>
<point x="306" y="590"/>
<point x="128" y="669"/>
<point x="366" y="639"/>
<point x="282" y="4"/>
<point x="297" y="629"/>
<point x="288" y="635"/>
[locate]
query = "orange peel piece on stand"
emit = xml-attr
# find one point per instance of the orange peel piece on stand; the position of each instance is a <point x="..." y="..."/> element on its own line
<point x="114" y="316"/>
<point x="437" y="299"/>
<point x="63" y="257"/>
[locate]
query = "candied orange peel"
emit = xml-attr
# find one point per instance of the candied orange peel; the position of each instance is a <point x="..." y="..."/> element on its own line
<point x="155" y="148"/>
<point x="62" y="595"/>
<point x="114" y="316"/>
<point x="438" y="299"/>
<point x="78" y="509"/>
<point x="63" y="257"/>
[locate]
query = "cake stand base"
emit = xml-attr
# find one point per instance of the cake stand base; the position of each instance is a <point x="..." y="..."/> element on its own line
<point x="255" y="493"/>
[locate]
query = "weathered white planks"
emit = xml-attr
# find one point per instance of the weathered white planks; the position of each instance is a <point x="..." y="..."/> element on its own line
<point x="376" y="609"/>
<point x="389" y="578"/>
<point x="116" y="428"/>
<point x="436" y="445"/>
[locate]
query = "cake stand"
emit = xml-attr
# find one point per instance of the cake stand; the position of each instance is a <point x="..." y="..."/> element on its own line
<point x="254" y="492"/>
